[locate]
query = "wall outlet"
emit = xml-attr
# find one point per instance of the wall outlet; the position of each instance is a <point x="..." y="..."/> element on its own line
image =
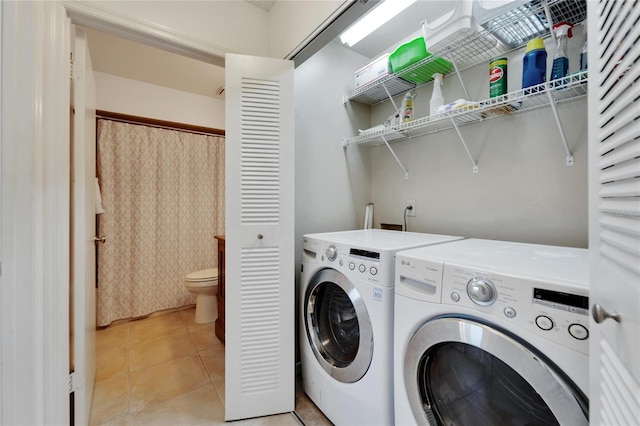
<point x="411" y="203"/>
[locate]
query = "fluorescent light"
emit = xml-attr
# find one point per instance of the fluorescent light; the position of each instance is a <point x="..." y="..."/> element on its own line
<point x="373" y="20"/>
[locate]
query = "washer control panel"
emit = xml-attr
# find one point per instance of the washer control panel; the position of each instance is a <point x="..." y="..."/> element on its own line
<point x="352" y="261"/>
<point x="554" y="311"/>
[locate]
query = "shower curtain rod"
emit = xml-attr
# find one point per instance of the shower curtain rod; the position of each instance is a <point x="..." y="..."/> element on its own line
<point x="171" y="125"/>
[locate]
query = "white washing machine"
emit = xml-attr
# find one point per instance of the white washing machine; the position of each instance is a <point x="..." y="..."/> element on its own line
<point x="346" y="332"/>
<point x="491" y="333"/>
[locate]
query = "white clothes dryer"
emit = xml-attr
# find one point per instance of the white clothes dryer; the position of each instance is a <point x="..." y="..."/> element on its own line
<point x="491" y="333"/>
<point x="346" y="314"/>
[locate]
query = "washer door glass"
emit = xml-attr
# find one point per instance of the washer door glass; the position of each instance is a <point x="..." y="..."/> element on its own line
<point x="461" y="372"/>
<point x="338" y="326"/>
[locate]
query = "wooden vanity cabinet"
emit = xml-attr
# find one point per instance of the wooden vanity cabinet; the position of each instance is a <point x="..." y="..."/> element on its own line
<point x="219" y="324"/>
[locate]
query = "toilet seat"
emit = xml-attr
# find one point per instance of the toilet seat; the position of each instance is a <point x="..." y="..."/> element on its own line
<point x="203" y="276"/>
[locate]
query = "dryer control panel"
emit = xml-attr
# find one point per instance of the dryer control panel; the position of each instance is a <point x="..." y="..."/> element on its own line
<point x="555" y="311"/>
<point x="552" y="310"/>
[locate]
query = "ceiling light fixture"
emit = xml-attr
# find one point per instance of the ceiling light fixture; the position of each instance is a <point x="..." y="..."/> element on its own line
<point x="373" y="20"/>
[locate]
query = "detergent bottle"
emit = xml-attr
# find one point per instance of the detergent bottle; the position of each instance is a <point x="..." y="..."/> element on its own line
<point x="563" y="32"/>
<point x="534" y="64"/>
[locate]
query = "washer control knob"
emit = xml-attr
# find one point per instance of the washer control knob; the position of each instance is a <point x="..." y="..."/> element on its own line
<point x="352" y="266"/>
<point x="578" y="331"/>
<point x="331" y="252"/>
<point x="482" y="291"/>
<point x="455" y="297"/>
<point x="373" y="270"/>
<point x="544" y="322"/>
<point x="509" y="312"/>
<point x="362" y="268"/>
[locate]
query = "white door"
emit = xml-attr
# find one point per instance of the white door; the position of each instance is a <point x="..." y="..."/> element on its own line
<point x="614" y="216"/>
<point x="260" y="300"/>
<point x="83" y="268"/>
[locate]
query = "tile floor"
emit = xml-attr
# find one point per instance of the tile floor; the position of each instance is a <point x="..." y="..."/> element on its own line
<point x="166" y="369"/>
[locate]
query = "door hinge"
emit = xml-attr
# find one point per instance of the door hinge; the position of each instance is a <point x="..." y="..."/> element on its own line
<point x="71" y="66"/>
<point x="76" y="381"/>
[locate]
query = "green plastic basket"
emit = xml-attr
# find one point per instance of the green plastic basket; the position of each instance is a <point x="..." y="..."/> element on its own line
<point x="412" y="52"/>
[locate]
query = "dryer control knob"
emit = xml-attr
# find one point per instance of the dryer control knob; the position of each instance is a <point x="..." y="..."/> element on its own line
<point x="482" y="291"/>
<point x="331" y="252"/>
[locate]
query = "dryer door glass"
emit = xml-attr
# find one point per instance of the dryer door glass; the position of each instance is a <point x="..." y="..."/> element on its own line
<point x="464" y="372"/>
<point x="470" y="386"/>
<point x="338" y="326"/>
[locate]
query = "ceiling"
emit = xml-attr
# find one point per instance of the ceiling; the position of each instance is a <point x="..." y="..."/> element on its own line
<point x="262" y="4"/>
<point x="124" y="58"/>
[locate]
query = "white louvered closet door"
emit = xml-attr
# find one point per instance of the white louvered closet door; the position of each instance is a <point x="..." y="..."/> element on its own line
<point x="259" y="228"/>
<point x="614" y="216"/>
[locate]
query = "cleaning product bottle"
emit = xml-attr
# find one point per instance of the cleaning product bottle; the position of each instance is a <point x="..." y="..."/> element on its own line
<point x="436" y="98"/>
<point x="563" y="32"/>
<point x="534" y="64"/>
<point x="583" y="57"/>
<point x="583" y="51"/>
<point x="407" y="107"/>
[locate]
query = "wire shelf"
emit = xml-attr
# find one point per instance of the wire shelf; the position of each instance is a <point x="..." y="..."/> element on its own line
<point x="468" y="48"/>
<point x="572" y="87"/>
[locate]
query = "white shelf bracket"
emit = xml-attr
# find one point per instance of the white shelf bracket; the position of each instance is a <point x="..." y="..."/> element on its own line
<point x="391" y="99"/>
<point x="406" y="175"/>
<point x="473" y="161"/>
<point x="563" y="136"/>
<point x="455" y="67"/>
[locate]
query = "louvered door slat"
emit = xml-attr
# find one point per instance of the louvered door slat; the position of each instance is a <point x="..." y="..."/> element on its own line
<point x="622" y="136"/>
<point x="619" y="99"/>
<point x="611" y="44"/>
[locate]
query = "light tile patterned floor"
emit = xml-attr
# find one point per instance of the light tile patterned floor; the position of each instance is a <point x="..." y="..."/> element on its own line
<point x="168" y="370"/>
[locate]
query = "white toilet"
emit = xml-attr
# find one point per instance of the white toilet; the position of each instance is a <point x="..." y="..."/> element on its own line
<point x="204" y="284"/>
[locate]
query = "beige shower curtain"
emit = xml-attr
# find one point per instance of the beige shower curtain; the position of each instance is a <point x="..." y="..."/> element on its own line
<point x="163" y="196"/>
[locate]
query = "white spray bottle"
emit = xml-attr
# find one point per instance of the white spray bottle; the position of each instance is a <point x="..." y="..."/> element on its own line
<point x="436" y="98"/>
<point x="563" y="31"/>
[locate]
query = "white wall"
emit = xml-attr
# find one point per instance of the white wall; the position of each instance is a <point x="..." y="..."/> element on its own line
<point x="523" y="190"/>
<point x="126" y="96"/>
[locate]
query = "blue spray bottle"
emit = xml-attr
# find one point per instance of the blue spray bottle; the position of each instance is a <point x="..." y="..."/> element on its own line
<point x="563" y="32"/>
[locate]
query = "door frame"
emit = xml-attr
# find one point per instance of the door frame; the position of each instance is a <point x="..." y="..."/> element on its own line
<point x="34" y="287"/>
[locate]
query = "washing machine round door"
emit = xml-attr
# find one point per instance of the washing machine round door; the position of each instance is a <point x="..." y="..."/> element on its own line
<point x="338" y="326"/>
<point x="460" y="371"/>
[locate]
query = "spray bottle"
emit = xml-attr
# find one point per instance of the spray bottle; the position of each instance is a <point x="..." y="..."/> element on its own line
<point x="407" y="107"/>
<point x="563" y="32"/>
<point x="584" y="50"/>
<point x="436" y="98"/>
